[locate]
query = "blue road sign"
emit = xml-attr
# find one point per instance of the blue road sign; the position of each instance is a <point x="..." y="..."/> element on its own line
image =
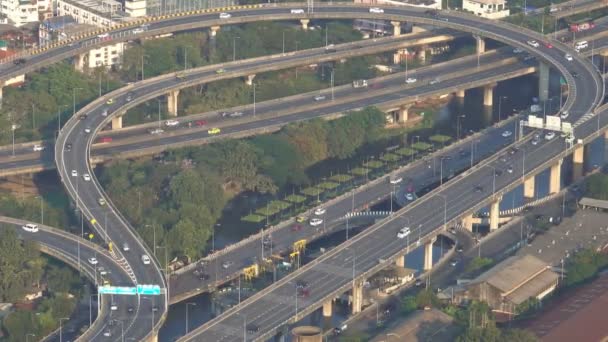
<point x="153" y="290"/>
<point x="117" y="290"/>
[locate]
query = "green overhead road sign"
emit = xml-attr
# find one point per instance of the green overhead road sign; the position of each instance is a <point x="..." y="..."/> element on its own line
<point x="153" y="290"/>
<point x="117" y="290"/>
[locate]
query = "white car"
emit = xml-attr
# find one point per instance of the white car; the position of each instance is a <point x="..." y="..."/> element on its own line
<point x="517" y="50"/>
<point x="410" y="80"/>
<point x="103" y="35"/>
<point x="86" y="177"/>
<point x="507" y="134"/>
<point x="145" y="259"/>
<point x="225" y="15"/>
<point x="30" y="227"/>
<point x="376" y="10"/>
<point x="409" y="196"/>
<point x="405" y="231"/>
<point x="396" y="180"/>
<point x="105" y="112"/>
<point x="297" y="11"/>
<point x="87" y="130"/>
<point x="533" y="43"/>
<point x="93" y="261"/>
<point x="156" y="131"/>
<point x="568" y="57"/>
<point x="549" y="135"/>
<point x="113" y="307"/>
<point x="38" y="148"/>
<point x="564" y="115"/>
<point x="320" y="211"/>
<point x="315" y="221"/>
<point x="74" y="173"/>
<point x="171" y="123"/>
<point x="319" y="97"/>
<point x="138" y="30"/>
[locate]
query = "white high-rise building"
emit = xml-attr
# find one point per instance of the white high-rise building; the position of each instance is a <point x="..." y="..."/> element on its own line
<point x="19" y="12"/>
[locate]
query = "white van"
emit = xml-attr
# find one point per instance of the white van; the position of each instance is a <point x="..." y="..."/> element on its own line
<point x="583" y="44"/>
<point x="297" y="11"/>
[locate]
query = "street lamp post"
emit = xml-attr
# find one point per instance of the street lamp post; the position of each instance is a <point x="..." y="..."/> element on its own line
<point x="500" y="98"/>
<point x="41" y="209"/>
<point x="234" y="47"/>
<point x="253" y="99"/>
<point x="187" y="304"/>
<point x="61" y="328"/>
<point x="441" y="170"/>
<point x="445" y="210"/>
<point x="74" y="100"/>
<point x="159" y="125"/>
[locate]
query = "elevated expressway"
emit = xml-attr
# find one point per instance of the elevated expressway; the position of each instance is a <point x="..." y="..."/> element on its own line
<point x="75" y="252"/>
<point x="348" y="265"/>
<point x="118" y="229"/>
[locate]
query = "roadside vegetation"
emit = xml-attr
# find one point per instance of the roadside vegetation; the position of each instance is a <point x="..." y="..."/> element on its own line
<point x="23" y="271"/>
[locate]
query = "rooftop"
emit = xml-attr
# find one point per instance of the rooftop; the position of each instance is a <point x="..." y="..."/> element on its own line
<point x="592" y="202"/>
<point x="532" y="288"/>
<point x="512" y="273"/>
<point x="489" y="2"/>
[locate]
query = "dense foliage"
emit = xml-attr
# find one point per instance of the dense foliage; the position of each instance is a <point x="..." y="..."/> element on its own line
<point x="22" y="271"/>
<point x="179" y="200"/>
<point x="584" y="265"/>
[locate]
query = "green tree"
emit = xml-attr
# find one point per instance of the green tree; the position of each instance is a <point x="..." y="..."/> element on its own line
<point x="408" y="304"/>
<point x="18" y="269"/>
<point x="19" y="323"/>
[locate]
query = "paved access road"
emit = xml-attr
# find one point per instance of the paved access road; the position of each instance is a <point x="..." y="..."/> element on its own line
<point x="333" y="273"/>
<point x="71" y="249"/>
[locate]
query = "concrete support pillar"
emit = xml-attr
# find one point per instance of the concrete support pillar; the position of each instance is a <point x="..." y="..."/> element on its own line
<point x="467" y="222"/>
<point x="400" y="261"/>
<point x="396" y="28"/>
<point x="494" y="214"/>
<point x="403" y="114"/>
<point x="327" y="308"/>
<point x="357" y="303"/>
<point x="421" y="54"/>
<point x="172" y="101"/>
<point x="555" y="177"/>
<point x="530" y="187"/>
<point x="543" y="81"/>
<point x="249" y="80"/>
<point x="79" y="62"/>
<point x="428" y="254"/>
<point x="399" y="55"/>
<point x="117" y="122"/>
<point x="481" y="45"/>
<point x="214" y="30"/>
<point x="304" y="23"/>
<point x="488" y="95"/>
<point x="578" y="162"/>
<point x="460" y="93"/>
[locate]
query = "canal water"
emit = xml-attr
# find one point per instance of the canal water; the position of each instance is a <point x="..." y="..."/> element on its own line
<point x="516" y="94"/>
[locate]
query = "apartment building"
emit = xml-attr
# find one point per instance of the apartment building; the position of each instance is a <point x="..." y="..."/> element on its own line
<point x="491" y="9"/>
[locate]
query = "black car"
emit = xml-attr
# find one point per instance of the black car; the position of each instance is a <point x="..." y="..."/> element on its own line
<point x="498" y="173"/>
<point x="431" y="12"/>
<point x="19" y="61"/>
<point x="252" y="328"/>
<point x="82" y="116"/>
<point x="154" y="308"/>
<point x="575" y="74"/>
<point x="130" y="309"/>
<point x="129" y="97"/>
<point x="203" y="276"/>
<point x="478" y="188"/>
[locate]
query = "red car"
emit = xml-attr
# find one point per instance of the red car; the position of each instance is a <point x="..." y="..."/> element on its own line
<point x="201" y="123"/>
<point x="105" y="139"/>
<point x="296" y="227"/>
<point x="549" y="46"/>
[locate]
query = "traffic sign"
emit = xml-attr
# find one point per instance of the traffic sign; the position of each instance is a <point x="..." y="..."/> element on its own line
<point x="153" y="290"/>
<point x="117" y="290"/>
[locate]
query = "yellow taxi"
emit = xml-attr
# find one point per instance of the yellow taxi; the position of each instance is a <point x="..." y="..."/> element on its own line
<point x="214" y="131"/>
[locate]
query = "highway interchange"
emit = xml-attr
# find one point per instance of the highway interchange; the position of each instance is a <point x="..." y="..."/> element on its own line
<point x="585" y="95"/>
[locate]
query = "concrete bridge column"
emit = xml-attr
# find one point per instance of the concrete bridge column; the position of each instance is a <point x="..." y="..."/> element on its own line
<point x="467" y="222"/>
<point x="400" y="261"/>
<point x="249" y="80"/>
<point x="530" y="187"/>
<point x="357" y="303"/>
<point x="417" y="29"/>
<point x="327" y="308"/>
<point x="397" y="55"/>
<point x="460" y="93"/>
<point x="117" y="122"/>
<point x="555" y="177"/>
<point x="79" y="62"/>
<point x="396" y="28"/>
<point x="421" y="54"/>
<point x="213" y="30"/>
<point x="403" y="113"/>
<point x="172" y="101"/>
<point x="494" y="214"/>
<point x="488" y="94"/>
<point x="153" y="338"/>
<point x="578" y="162"/>
<point x="481" y="45"/>
<point x="428" y="254"/>
<point x="304" y="23"/>
<point x="543" y="81"/>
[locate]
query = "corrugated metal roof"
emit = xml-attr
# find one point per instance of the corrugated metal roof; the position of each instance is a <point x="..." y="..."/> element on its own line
<point x="592" y="202"/>
<point x="512" y="272"/>
<point x="534" y="287"/>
